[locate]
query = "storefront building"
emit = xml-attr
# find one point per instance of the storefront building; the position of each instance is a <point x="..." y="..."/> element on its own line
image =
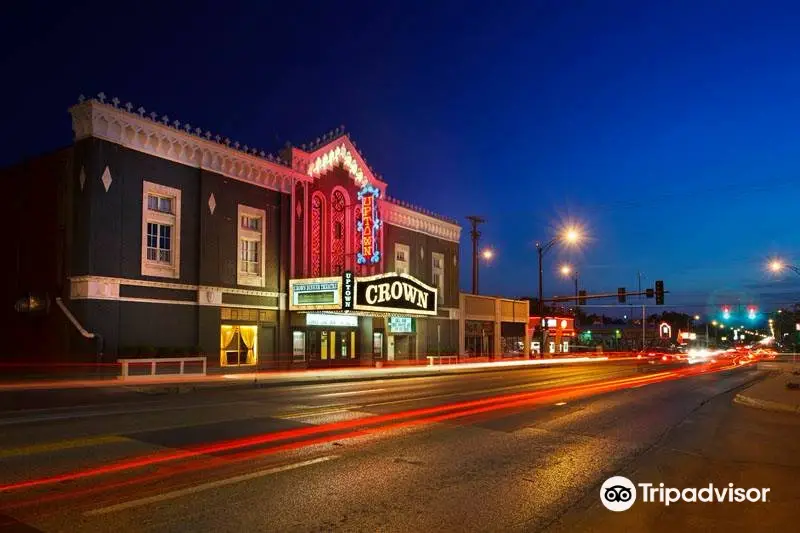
<point x="161" y="239"/>
<point x="493" y="328"/>
<point x="372" y="279"/>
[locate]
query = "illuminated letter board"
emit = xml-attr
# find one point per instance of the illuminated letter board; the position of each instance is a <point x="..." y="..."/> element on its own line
<point x="369" y="226"/>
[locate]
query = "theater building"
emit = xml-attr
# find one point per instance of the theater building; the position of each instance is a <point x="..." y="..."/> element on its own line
<point x="162" y="239"/>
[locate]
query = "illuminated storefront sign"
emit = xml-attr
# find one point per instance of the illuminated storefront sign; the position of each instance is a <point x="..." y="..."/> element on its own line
<point x="665" y="330"/>
<point x="369" y="225"/>
<point x="401" y="324"/>
<point x="315" y="293"/>
<point x="340" y="320"/>
<point x="395" y="292"/>
<point x="348" y="281"/>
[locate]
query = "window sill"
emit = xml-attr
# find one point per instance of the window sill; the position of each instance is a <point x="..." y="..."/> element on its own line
<point x="160" y="270"/>
<point x="250" y="280"/>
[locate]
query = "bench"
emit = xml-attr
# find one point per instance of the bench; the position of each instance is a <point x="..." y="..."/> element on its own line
<point x="155" y="361"/>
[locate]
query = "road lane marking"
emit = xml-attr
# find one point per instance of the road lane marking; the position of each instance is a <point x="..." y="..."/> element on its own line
<point x="348" y="393"/>
<point x="205" y="486"/>
<point x="91" y="414"/>
<point x="62" y="445"/>
<point x="340" y="409"/>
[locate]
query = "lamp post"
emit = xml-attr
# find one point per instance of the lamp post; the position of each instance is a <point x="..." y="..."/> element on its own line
<point x="475" y="234"/>
<point x="566" y="270"/>
<point x="570" y="235"/>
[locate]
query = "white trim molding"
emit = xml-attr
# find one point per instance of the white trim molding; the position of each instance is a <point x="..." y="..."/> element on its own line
<point x="107" y="288"/>
<point x="143" y="134"/>
<point x="403" y="217"/>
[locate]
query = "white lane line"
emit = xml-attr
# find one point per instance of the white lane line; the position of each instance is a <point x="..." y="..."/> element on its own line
<point x="13" y="420"/>
<point x="205" y="486"/>
<point x="349" y="393"/>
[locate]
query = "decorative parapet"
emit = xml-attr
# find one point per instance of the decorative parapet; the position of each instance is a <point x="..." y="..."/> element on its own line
<point x="160" y="138"/>
<point x="406" y="217"/>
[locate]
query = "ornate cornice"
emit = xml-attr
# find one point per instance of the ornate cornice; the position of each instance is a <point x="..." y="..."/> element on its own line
<point x="336" y="148"/>
<point x="407" y="218"/>
<point x="93" y="118"/>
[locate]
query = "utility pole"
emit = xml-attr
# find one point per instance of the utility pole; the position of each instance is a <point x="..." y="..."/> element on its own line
<point x="475" y="234"/>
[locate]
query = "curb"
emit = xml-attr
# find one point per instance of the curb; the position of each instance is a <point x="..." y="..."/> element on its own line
<point x="766" y="405"/>
<point x="255" y="384"/>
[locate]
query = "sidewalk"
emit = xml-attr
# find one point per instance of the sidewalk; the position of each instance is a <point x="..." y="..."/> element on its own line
<point x="771" y="394"/>
<point x="188" y="383"/>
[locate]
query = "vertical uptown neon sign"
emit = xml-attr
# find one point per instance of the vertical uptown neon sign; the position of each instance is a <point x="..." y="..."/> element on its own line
<point x="369" y="225"/>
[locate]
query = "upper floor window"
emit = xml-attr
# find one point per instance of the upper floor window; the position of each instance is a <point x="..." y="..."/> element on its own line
<point x="251" y="243"/>
<point x="437" y="273"/>
<point x="401" y="257"/>
<point x="161" y="204"/>
<point x="161" y="230"/>
<point x="251" y="223"/>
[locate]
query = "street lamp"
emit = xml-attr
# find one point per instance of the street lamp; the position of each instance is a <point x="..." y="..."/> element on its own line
<point x="487" y="254"/>
<point x="778" y="265"/>
<point x="566" y="270"/>
<point x="570" y="235"/>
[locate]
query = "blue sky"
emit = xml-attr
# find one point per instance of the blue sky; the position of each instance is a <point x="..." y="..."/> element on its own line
<point x="669" y="128"/>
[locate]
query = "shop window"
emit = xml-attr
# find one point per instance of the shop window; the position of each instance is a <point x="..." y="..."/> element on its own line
<point x="298" y="345"/>
<point x="377" y="344"/>
<point x="238" y="345"/>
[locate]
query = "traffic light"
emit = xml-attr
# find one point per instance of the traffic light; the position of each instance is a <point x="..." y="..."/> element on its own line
<point x="659" y="292"/>
<point x="751" y="313"/>
<point x="582" y="297"/>
<point x="726" y="313"/>
<point x="649" y="293"/>
<point x="621" y="295"/>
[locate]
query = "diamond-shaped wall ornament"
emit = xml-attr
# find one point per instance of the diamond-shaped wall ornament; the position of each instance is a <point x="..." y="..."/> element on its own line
<point x="212" y="203"/>
<point x="82" y="178"/>
<point x="299" y="209"/>
<point x="106" y="179"/>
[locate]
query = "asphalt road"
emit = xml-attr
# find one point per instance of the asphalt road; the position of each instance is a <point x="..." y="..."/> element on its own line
<point x="518" y="450"/>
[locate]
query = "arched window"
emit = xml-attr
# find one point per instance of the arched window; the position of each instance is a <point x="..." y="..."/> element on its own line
<point x="317" y="236"/>
<point x="338" y="231"/>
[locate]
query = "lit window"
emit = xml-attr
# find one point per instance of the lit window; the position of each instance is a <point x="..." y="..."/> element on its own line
<point x="161" y="230"/>
<point x="251" y="245"/>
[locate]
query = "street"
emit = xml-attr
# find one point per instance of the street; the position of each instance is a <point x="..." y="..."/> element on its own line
<point x="509" y="450"/>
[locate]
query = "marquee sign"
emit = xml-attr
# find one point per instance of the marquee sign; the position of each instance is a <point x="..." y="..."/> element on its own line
<point x="395" y="292"/>
<point x="315" y="293"/>
<point x="369" y="225"/>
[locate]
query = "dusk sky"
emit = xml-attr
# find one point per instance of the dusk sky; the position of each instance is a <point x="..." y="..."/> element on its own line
<point x="671" y="130"/>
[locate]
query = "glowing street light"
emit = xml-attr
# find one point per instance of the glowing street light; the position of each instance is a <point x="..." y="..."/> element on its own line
<point x="487" y="254"/>
<point x="566" y="270"/>
<point x="697" y="317"/>
<point x="778" y="265"/>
